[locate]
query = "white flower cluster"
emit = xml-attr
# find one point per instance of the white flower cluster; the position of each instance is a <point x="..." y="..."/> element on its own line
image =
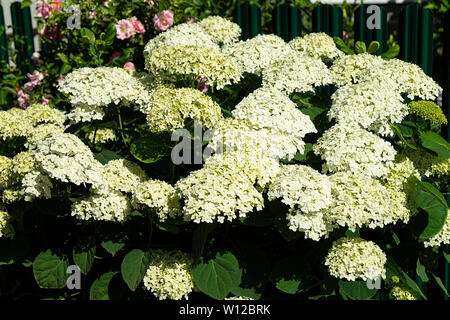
<point x="101" y="135"/>
<point x="356" y="258"/>
<point x="92" y="88"/>
<point x="168" y="108"/>
<point x="347" y="147"/>
<point x="301" y="187"/>
<point x="317" y="45"/>
<point x="6" y="229"/>
<point x="169" y="275"/>
<point x="5" y="172"/>
<point x="160" y="196"/>
<point x="36" y="185"/>
<point x="122" y="175"/>
<point x="347" y="69"/>
<point x="296" y="72"/>
<point x="370" y="104"/>
<point x="404" y="77"/>
<point x="402" y="292"/>
<point x="66" y="158"/>
<point x="256" y="54"/>
<point x="106" y="205"/>
<point x="221" y="30"/>
<point x="16" y="122"/>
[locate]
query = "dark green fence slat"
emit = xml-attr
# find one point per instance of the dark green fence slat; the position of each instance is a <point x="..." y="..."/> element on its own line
<point x="3" y="40"/>
<point x="363" y="33"/>
<point x="21" y="19"/>
<point x="287" y="22"/>
<point x="249" y="19"/>
<point x="328" y="19"/>
<point x="416" y="36"/>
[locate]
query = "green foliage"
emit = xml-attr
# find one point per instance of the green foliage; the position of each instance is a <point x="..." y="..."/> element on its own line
<point x="134" y="266"/>
<point x="356" y="290"/>
<point x="434" y="142"/>
<point x="100" y="288"/>
<point x="50" y="269"/>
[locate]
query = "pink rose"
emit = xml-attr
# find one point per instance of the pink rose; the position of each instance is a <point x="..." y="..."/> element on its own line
<point x="130" y="65"/>
<point x="125" y="29"/>
<point x="163" y="20"/>
<point x="138" y="26"/>
<point x="114" y="55"/>
<point x="345" y="35"/>
<point x="23" y="99"/>
<point x="35" y="80"/>
<point x="92" y="14"/>
<point x="42" y="9"/>
<point x="56" y="5"/>
<point x="191" y="21"/>
<point x="45" y="101"/>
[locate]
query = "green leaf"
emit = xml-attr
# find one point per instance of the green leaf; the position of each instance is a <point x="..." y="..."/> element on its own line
<point x="391" y="53"/>
<point x="281" y="224"/>
<point x="87" y="35"/>
<point x="432" y="201"/>
<point x="352" y="234"/>
<point x="50" y="270"/>
<point x="106" y="155"/>
<point x="313" y="112"/>
<point x="63" y="58"/>
<point x="134" y="266"/>
<point x="421" y="271"/>
<point x="447" y="257"/>
<point x="373" y="47"/>
<point x="399" y="134"/>
<point x="434" y="142"/>
<point x="110" y="34"/>
<point x="99" y="289"/>
<point x="360" y="47"/>
<point x="340" y="44"/>
<point x="25" y="3"/>
<point x="65" y="68"/>
<point x="83" y="256"/>
<point x="112" y="247"/>
<point x="440" y="284"/>
<point x="218" y="276"/>
<point x="199" y="238"/>
<point x="356" y="290"/>
<point x="290" y="275"/>
<point x="149" y="149"/>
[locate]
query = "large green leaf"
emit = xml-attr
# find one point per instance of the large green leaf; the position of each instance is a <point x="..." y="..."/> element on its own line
<point x="106" y="155"/>
<point x="50" y="270"/>
<point x="434" y="142"/>
<point x="134" y="266"/>
<point x="340" y="44"/>
<point x="99" y="289"/>
<point x="391" y="53"/>
<point x="199" y="238"/>
<point x="432" y="201"/>
<point x="356" y="290"/>
<point x="83" y="256"/>
<point x="218" y="276"/>
<point x="112" y="247"/>
<point x="149" y="149"/>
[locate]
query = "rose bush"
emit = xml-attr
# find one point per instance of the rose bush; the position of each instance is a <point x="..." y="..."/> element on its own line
<point x="221" y="156"/>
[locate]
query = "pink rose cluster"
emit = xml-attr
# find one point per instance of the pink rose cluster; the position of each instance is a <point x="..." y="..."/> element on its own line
<point x="127" y="28"/>
<point x="163" y="20"/>
<point x="44" y="8"/>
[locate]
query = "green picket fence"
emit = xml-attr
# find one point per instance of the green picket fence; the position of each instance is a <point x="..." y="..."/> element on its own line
<point x="415" y="39"/>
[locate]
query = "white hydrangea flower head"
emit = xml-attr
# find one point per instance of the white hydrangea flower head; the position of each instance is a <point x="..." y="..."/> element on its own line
<point x="301" y="187"/>
<point x="11" y="195"/>
<point x="443" y="236"/>
<point x="170" y="107"/>
<point x="428" y="164"/>
<point x="184" y="34"/>
<point x="403" y="292"/>
<point x="370" y="104"/>
<point x="314" y="225"/>
<point x="123" y="175"/>
<point x="36" y="185"/>
<point x="233" y="135"/>
<point x="66" y="158"/>
<point x="22" y="163"/>
<point x="221" y="30"/>
<point x="347" y="69"/>
<point x="40" y="132"/>
<point x="406" y="77"/>
<point x="256" y="54"/>
<point x="160" y="196"/>
<point x="102" y="205"/>
<point x="359" y="201"/>
<point x="356" y="258"/>
<point x="175" y="61"/>
<point x="85" y="113"/>
<point x="169" y="275"/>
<point x="317" y="45"/>
<point x="296" y="72"/>
<point x="100" y="87"/>
<point x="218" y="192"/>
<point x="6" y="229"/>
<point x="5" y="172"/>
<point x="101" y="135"/>
<point x="16" y="122"/>
<point x="347" y="147"/>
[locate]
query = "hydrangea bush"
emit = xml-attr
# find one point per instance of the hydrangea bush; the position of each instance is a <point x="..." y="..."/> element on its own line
<point x="222" y="173"/>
